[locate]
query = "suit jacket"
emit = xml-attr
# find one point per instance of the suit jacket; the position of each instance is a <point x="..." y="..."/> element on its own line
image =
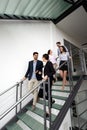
<point x="39" y="67"/>
<point x="49" y="71"/>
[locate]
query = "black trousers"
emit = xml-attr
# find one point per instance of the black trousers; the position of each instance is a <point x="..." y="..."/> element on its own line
<point x="40" y="94"/>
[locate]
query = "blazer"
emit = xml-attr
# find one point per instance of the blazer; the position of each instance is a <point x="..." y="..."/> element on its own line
<point x="39" y="67"/>
<point x="49" y="71"/>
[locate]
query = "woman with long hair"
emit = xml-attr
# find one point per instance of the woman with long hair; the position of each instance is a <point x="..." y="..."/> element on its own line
<point x="64" y="55"/>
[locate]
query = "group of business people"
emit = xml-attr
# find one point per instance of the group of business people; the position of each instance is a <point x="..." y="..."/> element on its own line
<point x="63" y="56"/>
<point x="34" y="73"/>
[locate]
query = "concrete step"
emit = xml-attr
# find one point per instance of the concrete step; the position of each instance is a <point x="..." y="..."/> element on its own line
<point x="54" y="111"/>
<point x="40" y="112"/>
<point x="56" y="87"/>
<point x="37" y="118"/>
<point x="55" y="106"/>
<point x="62" y="94"/>
<point x="30" y="121"/>
<point x="13" y="126"/>
<point x="23" y="125"/>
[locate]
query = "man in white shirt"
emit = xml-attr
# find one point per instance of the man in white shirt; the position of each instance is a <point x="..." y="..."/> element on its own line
<point x="58" y="50"/>
<point x="34" y="75"/>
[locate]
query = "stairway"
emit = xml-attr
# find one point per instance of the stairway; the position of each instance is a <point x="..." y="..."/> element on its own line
<point x="33" y="120"/>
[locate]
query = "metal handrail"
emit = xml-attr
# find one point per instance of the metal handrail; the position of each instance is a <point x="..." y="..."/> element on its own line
<point x="9" y="88"/>
<point x="57" y="122"/>
<point x="24" y="80"/>
<point x="61" y="65"/>
<point x="20" y="100"/>
<point x="57" y="57"/>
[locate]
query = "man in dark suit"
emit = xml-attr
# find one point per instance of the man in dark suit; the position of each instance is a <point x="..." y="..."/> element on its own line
<point x="34" y="75"/>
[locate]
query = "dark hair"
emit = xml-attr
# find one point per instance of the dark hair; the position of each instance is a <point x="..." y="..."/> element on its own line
<point x="64" y="49"/>
<point x="46" y="56"/>
<point x="48" y="52"/>
<point x="58" y="43"/>
<point x="35" y="53"/>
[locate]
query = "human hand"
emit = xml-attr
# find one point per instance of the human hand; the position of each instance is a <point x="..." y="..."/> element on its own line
<point x="45" y="77"/>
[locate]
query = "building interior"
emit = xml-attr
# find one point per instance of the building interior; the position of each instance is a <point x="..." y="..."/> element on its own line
<point x="28" y="26"/>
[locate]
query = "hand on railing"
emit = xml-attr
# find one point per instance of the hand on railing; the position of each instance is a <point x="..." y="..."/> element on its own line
<point x="45" y="78"/>
<point x="57" y="58"/>
<point x="24" y="78"/>
<point x="61" y="65"/>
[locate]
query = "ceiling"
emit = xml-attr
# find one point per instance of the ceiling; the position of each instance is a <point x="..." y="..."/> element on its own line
<point x="75" y="25"/>
<point x="33" y="9"/>
<point x="54" y="10"/>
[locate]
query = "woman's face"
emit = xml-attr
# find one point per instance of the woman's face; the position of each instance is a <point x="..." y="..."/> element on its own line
<point x="50" y="51"/>
<point x="61" y="48"/>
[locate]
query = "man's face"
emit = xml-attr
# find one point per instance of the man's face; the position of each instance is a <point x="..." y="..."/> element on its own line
<point x="58" y="45"/>
<point x="43" y="59"/>
<point x="35" y="56"/>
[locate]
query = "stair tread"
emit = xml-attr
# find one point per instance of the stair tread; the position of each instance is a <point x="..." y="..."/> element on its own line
<point x="59" y="97"/>
<point x="57" y="84"/>
<point x="13" y="126"/>
<point x="56" y="106"/>
<point x="40" y="112"/>
<point x="31" y="122"/>
<point x="66" y="91"/>
<point x="60" y="88"/>
<point x="23" y="125"/>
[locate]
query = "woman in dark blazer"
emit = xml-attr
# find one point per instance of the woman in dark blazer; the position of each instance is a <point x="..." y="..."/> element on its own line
<point x="49" y="71"/>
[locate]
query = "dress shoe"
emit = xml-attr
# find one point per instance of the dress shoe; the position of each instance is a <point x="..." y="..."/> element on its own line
<point x="33" y="107"/>
<point x="53" y="101"/>
<point x="47" y="115"/>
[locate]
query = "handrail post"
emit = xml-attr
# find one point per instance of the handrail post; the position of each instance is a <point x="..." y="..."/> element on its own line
<point x="21" y="94"/>
<point x="70" y="73"/>
<point x="17" y="95"/>
<point x="83" y="62"/>
<point x="78" y="117"/>
<point x="49" y="102"/>
<point x="20" y="100"/>
<point x="44" y="97"/>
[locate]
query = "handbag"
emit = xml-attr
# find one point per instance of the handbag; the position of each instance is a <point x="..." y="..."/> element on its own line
<point x="40" y="93"/>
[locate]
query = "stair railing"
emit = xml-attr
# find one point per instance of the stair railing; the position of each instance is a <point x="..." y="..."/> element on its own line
<point x="25" y="96"/>
<point x="58" y="121"/>
<point x="49" y="103"/>
<point x="70" y="74"/>
<point x="81" y="113"/>
<point x="19" y="101"/>
<point x="16" y="86"/>
<point x="83" y="61"/>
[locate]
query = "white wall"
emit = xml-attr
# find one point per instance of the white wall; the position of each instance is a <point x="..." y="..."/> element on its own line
<point x="18" y="40"/>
